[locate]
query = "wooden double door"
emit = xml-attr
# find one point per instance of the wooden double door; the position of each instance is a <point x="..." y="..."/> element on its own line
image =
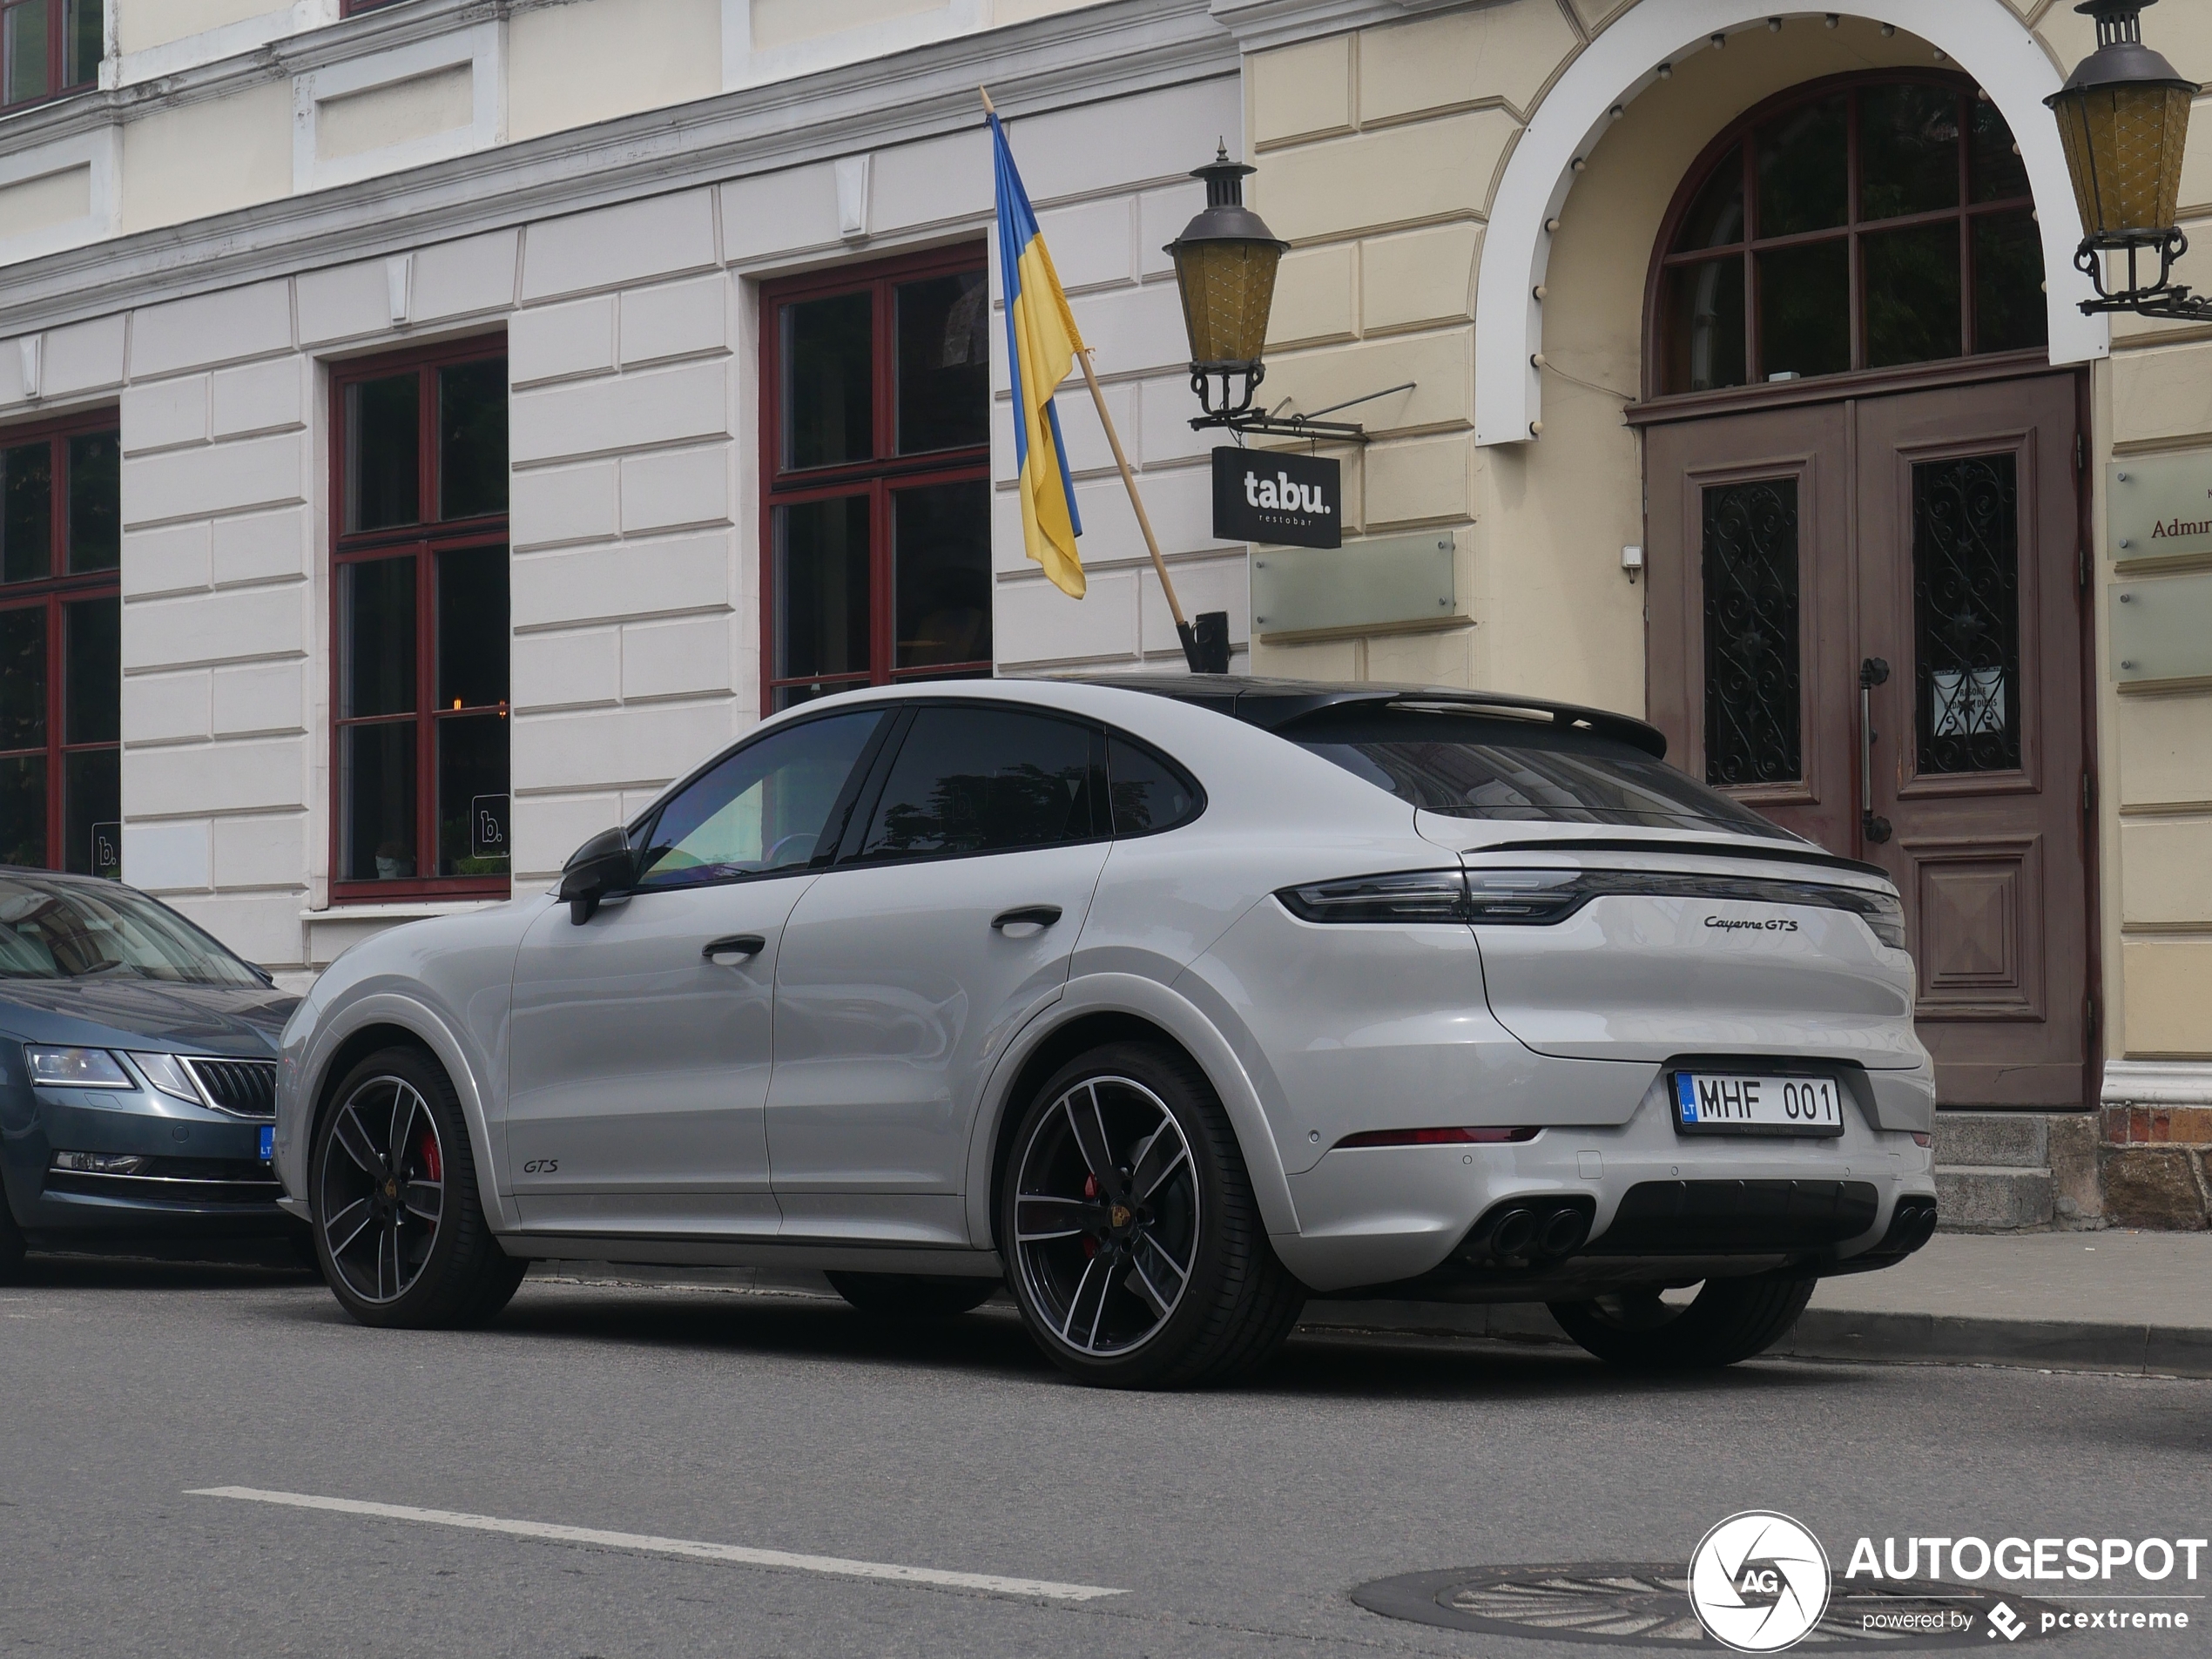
<point x="1864" y="621"/>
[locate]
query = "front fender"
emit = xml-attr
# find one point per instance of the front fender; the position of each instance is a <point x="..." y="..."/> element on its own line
<point x="306" y="1061"/>
<point x="1144" y="999"/>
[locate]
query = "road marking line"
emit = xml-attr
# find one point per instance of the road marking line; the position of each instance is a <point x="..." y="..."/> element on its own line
<point x="693" y="1548"/>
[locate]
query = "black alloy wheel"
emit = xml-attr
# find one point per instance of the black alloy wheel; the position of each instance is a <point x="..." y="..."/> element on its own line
<point x="1134" y="1246"/>
<point x="401" y="1234"/>
<point x="1729" y="1320"/>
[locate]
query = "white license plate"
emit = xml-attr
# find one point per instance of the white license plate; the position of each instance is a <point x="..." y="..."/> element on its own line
<point x="1715" y="1102"/>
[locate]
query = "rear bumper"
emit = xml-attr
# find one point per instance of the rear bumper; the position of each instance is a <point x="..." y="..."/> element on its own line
<point x="1662" y="1207"/>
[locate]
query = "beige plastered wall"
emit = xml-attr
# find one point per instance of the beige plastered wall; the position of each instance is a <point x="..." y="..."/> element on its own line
<point x="1378" y="152"/>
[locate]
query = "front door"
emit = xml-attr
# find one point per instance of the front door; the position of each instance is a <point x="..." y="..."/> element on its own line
<point x="1864" y="620"/>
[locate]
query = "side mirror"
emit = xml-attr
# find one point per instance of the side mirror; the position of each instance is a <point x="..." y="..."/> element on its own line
<point x="602" y="869"/>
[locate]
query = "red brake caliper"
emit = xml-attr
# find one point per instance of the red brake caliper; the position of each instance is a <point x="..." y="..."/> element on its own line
<point x="433" y="1165"/>
<point x="1090" y="1190"/>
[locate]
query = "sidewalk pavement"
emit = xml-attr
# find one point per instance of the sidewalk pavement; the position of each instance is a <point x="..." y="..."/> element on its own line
<point x="2134" y="1303"/>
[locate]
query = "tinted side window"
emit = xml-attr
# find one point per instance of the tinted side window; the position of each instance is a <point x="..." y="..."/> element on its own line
<point x="984" y="780"/>
<point x="763" y="807"/>
<point x="1150" y="792"/>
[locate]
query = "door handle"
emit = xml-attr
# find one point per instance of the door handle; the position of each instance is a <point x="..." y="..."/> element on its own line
<point x="1034" y="915"/>
<point x="1872" y="672"/>
<point x="739" y="947"/>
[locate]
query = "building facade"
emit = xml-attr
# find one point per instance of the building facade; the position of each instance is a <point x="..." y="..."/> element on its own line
<point x="428" y="427"/>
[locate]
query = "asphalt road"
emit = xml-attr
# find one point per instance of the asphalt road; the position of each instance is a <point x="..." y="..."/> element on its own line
<point x="1234" y="1524"/>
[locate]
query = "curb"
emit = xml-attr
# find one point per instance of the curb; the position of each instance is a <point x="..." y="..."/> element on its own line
<point x="1885" y="1339"/>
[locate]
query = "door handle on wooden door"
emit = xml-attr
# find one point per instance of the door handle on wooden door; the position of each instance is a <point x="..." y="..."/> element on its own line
<point x="1872" y="672"/>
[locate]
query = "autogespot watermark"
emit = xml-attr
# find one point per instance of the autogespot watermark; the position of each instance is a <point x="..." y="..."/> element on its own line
<point x="1760" y="1583"/>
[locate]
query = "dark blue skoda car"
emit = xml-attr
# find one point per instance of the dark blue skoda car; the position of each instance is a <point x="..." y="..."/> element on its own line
<point x="137" y="1073"/>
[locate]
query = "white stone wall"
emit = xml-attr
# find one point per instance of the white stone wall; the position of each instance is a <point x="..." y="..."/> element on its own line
<point x="632" y="335"/>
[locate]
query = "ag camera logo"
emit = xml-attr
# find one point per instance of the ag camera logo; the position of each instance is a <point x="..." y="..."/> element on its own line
<point x="1759" y="1582"/>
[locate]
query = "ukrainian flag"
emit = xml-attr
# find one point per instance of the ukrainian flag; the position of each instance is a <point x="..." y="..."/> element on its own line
<point x="1041" y="347"/>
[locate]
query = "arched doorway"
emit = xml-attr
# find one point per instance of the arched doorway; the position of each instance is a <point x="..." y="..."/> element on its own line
<point x="1866" y="614"/>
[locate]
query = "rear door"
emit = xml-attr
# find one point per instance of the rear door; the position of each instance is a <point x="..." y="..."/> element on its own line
<point x="950" y="921"/>
<point x="642" y="1037"/>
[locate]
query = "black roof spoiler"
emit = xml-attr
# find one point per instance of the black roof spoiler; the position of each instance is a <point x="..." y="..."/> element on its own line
<point x="1272" y="704"/>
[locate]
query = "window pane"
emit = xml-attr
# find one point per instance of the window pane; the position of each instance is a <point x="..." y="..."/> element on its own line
<point x="763" y="807"/>
<point x="85" y="31"/>
<point x="822" y="588"/>
<point x="22" y="678"/>
<point x="1752" y="672"/>
<point x="383" y="453"/>
<point x="27" y="516"/>
<point x="1966" y="613"/>
<point x="377" y="810"/>
<point x="983" y="780"/>
<point x="92" y="812"/>
<point x="472" y="439"/>
<point x="1908" y="150"/>
<point x="829" y="381"/>
<point x="1148" y="793"/>
<point x="1701" y="322"/>
<point x="1912" y="295"/>
<point x="94" y="502"/>
<point x="22" y="42"/>
<point x="376" y="644"/>
<point x="1999" y="173"/>
<point x="1715" y="219"/>
<point x="941" y="550"/>
<point x="1801" y="167"/>
<point x="472" y="629"/>
<point x="22" y="810"/>
<point x="944" y="363"/>
<point x="472" y="795"/>
<point x="92" y="660"/>
<point x="1804" y="310"/>
<point x="2010" y="314"/>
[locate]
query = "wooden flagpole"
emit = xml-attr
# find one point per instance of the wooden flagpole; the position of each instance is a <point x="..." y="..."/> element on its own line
<point x="1129" y="481"/>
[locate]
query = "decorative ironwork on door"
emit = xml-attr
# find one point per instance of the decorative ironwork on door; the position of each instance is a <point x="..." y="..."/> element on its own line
<point x="1754" y="725"/>
<point x="1965" y="601"/>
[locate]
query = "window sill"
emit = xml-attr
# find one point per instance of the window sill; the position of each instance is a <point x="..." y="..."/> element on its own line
<point x="401" y="910"/>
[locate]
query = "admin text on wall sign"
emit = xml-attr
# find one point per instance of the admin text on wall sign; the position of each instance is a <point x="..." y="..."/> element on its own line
<point x="1288" y="500"/>
<point x="2159" y="507"/>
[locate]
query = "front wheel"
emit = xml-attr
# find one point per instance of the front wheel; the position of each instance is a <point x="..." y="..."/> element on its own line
<point x="1133" y="1241"/>
<point x="1728" y="1319"/>
<point x="401" y="1234"/>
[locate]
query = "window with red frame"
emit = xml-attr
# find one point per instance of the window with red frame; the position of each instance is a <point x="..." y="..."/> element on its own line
<point x="61" y="650"/>
<point x="48" y="47"/>
<point x="875" y="445"/>
<point x="419" y="624"/>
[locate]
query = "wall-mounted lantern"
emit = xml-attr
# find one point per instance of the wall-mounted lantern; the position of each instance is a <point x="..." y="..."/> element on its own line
<point x="2124" y="119"/>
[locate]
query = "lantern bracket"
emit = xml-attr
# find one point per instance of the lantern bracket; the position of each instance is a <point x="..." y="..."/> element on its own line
<point x="2163" y="297"/>
<point x="1250" y="421"/>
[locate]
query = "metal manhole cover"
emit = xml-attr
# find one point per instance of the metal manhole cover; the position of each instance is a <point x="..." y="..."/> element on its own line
<point x="1640" y="1604"/>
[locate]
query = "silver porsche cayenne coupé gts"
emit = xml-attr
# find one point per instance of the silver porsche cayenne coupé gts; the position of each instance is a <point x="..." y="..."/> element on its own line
<point x="1170" y="1003"/>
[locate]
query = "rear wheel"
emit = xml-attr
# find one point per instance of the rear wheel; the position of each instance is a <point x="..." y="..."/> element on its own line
<point x="911" y="1296"/>
<point x="1728" y="1319"/>
<point x="1134" y="1245"/>
<point x="400" y="1235"/>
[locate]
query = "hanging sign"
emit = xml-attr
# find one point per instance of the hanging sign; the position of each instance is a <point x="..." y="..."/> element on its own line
<point x="1289" y="501"/>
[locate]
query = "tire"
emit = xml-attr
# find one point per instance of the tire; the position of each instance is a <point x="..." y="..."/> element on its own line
<point x="1174" y="1199"/>
<point x="911" y="1296"/>
<point x="11" y="1245"/>
<point x="403" y="1240"/>
<point x="1729" y="1320"/>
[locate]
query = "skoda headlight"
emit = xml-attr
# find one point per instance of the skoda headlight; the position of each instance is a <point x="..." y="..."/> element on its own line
<point x="76" y="1068"/>
<point x="166" y="1073"/>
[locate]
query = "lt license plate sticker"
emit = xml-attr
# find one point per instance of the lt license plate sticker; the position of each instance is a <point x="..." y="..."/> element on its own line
<point x="268" y="1141"/>
<point x="1710" y="1102"/>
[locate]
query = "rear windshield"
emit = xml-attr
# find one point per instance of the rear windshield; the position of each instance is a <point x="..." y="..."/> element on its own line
<point x="1481" y="765"/>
